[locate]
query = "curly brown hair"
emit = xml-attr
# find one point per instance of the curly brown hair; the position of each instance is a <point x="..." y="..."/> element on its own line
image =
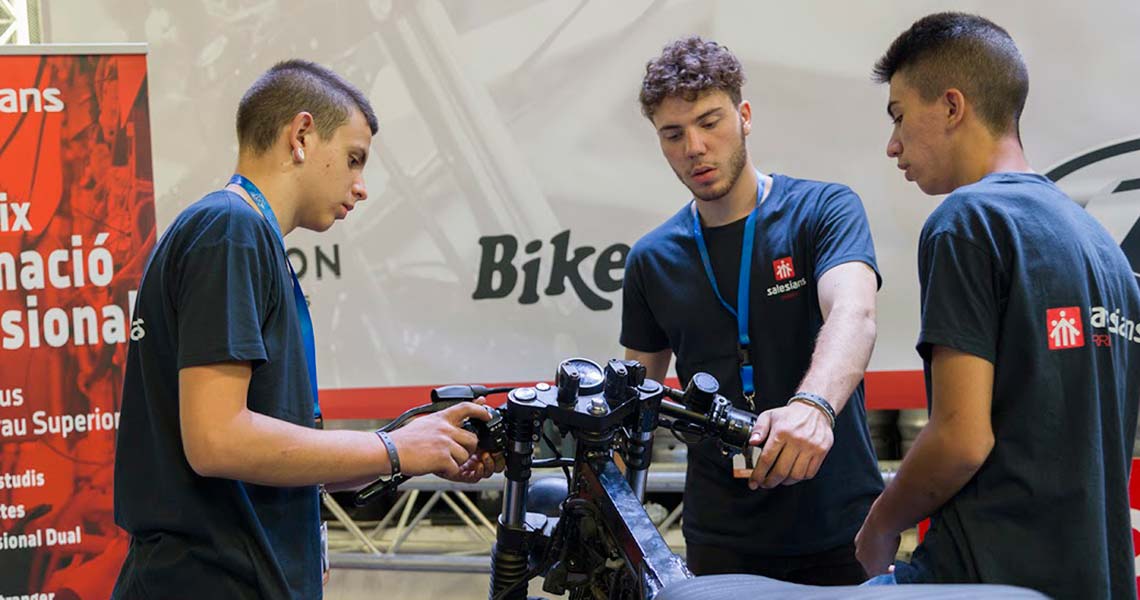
<point x="688" y="68"/>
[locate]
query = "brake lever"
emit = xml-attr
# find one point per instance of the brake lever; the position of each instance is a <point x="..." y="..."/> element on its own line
<point x="380" y="487"/>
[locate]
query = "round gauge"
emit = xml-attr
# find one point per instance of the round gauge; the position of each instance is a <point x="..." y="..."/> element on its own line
<point x="590" y="376"/>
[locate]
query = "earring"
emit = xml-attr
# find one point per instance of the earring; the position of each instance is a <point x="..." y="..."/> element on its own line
<point x="299" y="154"/>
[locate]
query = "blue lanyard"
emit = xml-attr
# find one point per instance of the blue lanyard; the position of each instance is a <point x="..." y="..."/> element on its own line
<point x="298" y="295"/>
<point x="740" y="312"/>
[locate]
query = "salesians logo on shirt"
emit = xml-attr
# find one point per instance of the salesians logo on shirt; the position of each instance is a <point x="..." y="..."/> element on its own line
<point x="786" y="282"/>
<point x="1108" y="324"/>
<point x="784" y="268"/>
<point x="1065" y="328"/>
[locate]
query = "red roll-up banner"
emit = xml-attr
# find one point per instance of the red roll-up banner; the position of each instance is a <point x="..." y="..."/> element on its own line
<point x="76" y="227"/>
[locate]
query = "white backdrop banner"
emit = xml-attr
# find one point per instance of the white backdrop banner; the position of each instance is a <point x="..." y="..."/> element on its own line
<point x="513" y="169"/>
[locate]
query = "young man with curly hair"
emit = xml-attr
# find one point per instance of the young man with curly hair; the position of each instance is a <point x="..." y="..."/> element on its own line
<point x="1028" y="337"/>
<point x="768" y="283"/>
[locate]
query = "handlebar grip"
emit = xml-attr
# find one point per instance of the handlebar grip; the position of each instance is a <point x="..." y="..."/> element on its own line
<point x="732" y="426"/>
<point x="492" y="433"/>
<point x="458" y="393"/>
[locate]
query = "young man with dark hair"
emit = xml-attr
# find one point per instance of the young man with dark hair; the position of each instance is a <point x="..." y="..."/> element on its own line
<point x="218" y="458"/>
<point x="1024" y="464"/>
<point x="768" y="283"/>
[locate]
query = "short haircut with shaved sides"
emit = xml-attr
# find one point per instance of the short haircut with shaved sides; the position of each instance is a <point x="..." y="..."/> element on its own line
<point x="291" y="87"/>
<point x="966" y="52"/>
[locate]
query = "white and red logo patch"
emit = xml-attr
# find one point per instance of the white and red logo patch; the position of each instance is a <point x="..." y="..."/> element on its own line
<point x="783" y="268"/>
<point x="1065" y="328"/>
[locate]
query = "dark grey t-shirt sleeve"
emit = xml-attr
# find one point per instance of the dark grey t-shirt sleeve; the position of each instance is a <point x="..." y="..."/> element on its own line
<point x="842" y="234"/>
<point x="639" y="328"/>
<point x="959" y="298"/>
<point x="221" y="300"/>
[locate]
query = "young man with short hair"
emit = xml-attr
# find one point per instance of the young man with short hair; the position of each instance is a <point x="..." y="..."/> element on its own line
<point x="1024" y="464"/>
<point x="218" y="460"/>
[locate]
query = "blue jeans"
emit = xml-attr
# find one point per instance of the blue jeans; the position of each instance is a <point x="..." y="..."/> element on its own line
<point x="905" y="568"/>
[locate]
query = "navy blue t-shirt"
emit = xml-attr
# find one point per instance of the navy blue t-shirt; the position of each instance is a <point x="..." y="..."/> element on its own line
<point x="1015" y="272"/>
<point x="803" y="229"/>
<point x="217" y="288"/>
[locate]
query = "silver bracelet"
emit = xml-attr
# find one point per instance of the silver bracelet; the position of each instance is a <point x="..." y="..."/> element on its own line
<point x="393" y="457"/>
<point x="818" y="402"/>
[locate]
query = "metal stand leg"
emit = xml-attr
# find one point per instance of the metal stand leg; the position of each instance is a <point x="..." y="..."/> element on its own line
<point x="347" y="521"/>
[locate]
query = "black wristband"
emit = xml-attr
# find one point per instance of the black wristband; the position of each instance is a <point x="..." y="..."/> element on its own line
<point x="816" y="401"/>
<point x="393" y="457"/>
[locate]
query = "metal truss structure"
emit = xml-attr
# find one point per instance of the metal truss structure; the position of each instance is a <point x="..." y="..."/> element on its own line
<point x="20" y="22"/>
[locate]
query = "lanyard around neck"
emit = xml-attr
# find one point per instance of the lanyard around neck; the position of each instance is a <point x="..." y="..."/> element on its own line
<point x="740" y="311"/>
<point x="298" y="296"/>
